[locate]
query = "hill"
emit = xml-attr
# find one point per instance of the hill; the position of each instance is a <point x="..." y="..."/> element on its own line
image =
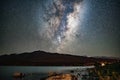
<point x="41" y="58"/>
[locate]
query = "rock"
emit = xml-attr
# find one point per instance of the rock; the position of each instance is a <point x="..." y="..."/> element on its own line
<point x="62" y="77"/>
<point x="18" y="75"/>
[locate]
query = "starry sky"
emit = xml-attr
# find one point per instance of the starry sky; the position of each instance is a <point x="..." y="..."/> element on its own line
<point x="77" y="27"/>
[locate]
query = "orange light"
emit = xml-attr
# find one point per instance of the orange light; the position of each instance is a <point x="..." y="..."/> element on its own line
<point x="102" y="64"/>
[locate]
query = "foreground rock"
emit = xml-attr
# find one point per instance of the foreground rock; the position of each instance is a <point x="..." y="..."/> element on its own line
<point x="18" y="75"/>
<point x="62" y="77"/>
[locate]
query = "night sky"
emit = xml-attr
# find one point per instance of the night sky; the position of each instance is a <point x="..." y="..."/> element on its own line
<point x="77" y="27"/>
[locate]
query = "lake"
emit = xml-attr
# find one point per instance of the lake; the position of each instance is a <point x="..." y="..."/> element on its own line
<point x="6" y="72"/>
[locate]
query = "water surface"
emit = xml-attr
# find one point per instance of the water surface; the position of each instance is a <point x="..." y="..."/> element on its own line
<point x="38" y="72"/>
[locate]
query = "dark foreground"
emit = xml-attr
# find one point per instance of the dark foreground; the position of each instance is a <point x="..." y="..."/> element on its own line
<point x="98" y="72"/>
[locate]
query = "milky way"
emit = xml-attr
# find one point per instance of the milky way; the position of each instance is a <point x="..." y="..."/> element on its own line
<point x="78" y="27"/>
<point x="63" y="17"/>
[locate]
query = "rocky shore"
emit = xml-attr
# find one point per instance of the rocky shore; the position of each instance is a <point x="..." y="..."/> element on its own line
<point x="99" y="72"/>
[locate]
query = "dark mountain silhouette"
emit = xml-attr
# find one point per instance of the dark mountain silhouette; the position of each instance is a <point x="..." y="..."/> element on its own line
<point x="41" y="58"/>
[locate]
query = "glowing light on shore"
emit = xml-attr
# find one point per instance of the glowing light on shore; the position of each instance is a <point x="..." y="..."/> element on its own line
<point x="102" y="64"/>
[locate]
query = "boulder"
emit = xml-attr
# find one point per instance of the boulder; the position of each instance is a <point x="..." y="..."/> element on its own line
<point x="18" y="75"/>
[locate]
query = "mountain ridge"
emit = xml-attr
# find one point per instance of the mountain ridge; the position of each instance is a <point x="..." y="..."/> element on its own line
<point x="42" y="58"/>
